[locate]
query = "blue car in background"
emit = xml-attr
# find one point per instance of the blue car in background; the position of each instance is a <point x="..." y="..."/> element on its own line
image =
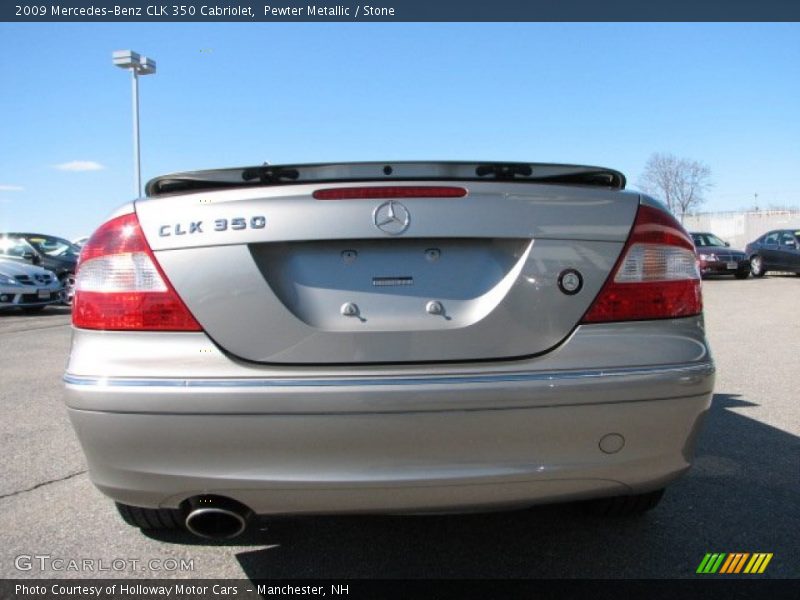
<point x="777" y="250"/>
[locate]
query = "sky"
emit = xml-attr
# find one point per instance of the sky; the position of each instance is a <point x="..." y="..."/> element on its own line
<point x="229" y="95"/>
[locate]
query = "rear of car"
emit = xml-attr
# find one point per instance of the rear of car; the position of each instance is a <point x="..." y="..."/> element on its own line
<point x="27" y="287"/>
<point x="372" y="337"/>
<point x="716" y="257"/>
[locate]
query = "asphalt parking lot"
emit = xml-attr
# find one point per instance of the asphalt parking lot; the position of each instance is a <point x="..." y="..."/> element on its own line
<point x="741" y="496"/>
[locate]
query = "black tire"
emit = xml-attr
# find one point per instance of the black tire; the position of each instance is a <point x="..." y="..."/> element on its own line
<point x="151" y="518"/>
<point x="757" y="266"/>
<point x="742" y="274"/>
<point x="31" y="310"/>
<point x="624" y="506"/>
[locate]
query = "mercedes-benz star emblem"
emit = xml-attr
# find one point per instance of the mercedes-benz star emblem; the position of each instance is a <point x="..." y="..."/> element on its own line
<point x="391" y="217"/>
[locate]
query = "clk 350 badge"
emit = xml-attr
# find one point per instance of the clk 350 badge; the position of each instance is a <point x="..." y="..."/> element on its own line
<point x="236" y="224"/>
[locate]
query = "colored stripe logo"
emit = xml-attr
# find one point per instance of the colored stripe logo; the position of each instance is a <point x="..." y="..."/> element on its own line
<point x="734" y="563"/>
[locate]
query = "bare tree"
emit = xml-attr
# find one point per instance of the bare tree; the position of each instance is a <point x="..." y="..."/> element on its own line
<point x="680" y="183"/>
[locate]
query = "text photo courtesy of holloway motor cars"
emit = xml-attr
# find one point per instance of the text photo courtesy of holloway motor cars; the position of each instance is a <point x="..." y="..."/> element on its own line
<point x="364" y="305"/>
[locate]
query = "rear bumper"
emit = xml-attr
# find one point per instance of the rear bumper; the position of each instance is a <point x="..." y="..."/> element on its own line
<point x="723" y="267"/>
<point x="390" y="443"/>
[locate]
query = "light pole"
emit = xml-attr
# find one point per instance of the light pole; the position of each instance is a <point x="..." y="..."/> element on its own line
<point x="138" y="65"/>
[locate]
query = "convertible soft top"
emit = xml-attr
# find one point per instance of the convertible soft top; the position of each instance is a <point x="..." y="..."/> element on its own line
<point x="273" y="175"/>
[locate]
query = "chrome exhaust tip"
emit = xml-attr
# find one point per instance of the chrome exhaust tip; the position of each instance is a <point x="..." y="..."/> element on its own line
<point x="216" y="517"/>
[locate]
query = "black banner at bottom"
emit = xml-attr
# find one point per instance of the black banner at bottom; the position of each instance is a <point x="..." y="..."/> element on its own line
<point x="356" y="589"/>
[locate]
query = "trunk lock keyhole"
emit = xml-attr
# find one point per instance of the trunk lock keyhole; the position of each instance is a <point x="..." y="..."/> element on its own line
<point x="349" y="309"/>
<point x="434" y="307"/>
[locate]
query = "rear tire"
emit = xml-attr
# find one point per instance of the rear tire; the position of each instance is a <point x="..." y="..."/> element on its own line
<point x="68" y="293"/>
<point x="151" y="518"/>
<point x="624" y="506"/>
<point x="757" y="266"/>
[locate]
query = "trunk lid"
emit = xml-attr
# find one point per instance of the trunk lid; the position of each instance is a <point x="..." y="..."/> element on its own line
<point x="276" y="276"/>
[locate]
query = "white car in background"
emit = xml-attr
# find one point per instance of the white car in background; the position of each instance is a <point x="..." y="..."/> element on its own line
<point x="27" y="286"/>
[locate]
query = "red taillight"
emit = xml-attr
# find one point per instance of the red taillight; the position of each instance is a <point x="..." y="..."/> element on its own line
<point x="120" y="286"/>
<point x="656" y="276"/>
<point x="379" y="193"/>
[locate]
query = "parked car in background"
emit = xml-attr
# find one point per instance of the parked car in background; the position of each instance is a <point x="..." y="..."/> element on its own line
<point x="49" y="252"/>
<point x="79" y="242"/>
<point x="715" y="257"/>
<point x="777" y="250"/>
<point x="374" y="337"/>
<point x="27" y="286"/>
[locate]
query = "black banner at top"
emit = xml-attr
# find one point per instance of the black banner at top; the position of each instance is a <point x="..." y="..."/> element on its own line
<point x="396" y="10"/>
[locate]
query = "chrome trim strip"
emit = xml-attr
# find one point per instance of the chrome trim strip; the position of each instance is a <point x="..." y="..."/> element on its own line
<point x="552" y="376"/>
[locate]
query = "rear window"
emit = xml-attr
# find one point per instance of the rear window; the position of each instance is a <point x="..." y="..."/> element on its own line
<point x="53" y="246"/>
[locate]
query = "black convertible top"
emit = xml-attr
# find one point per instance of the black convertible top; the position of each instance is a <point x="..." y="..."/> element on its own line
<point x="274" y="175"/>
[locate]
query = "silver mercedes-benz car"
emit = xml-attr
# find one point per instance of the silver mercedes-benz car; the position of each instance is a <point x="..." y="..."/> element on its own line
<point x="27" y="286"/>
<point x="402" y="337"/>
